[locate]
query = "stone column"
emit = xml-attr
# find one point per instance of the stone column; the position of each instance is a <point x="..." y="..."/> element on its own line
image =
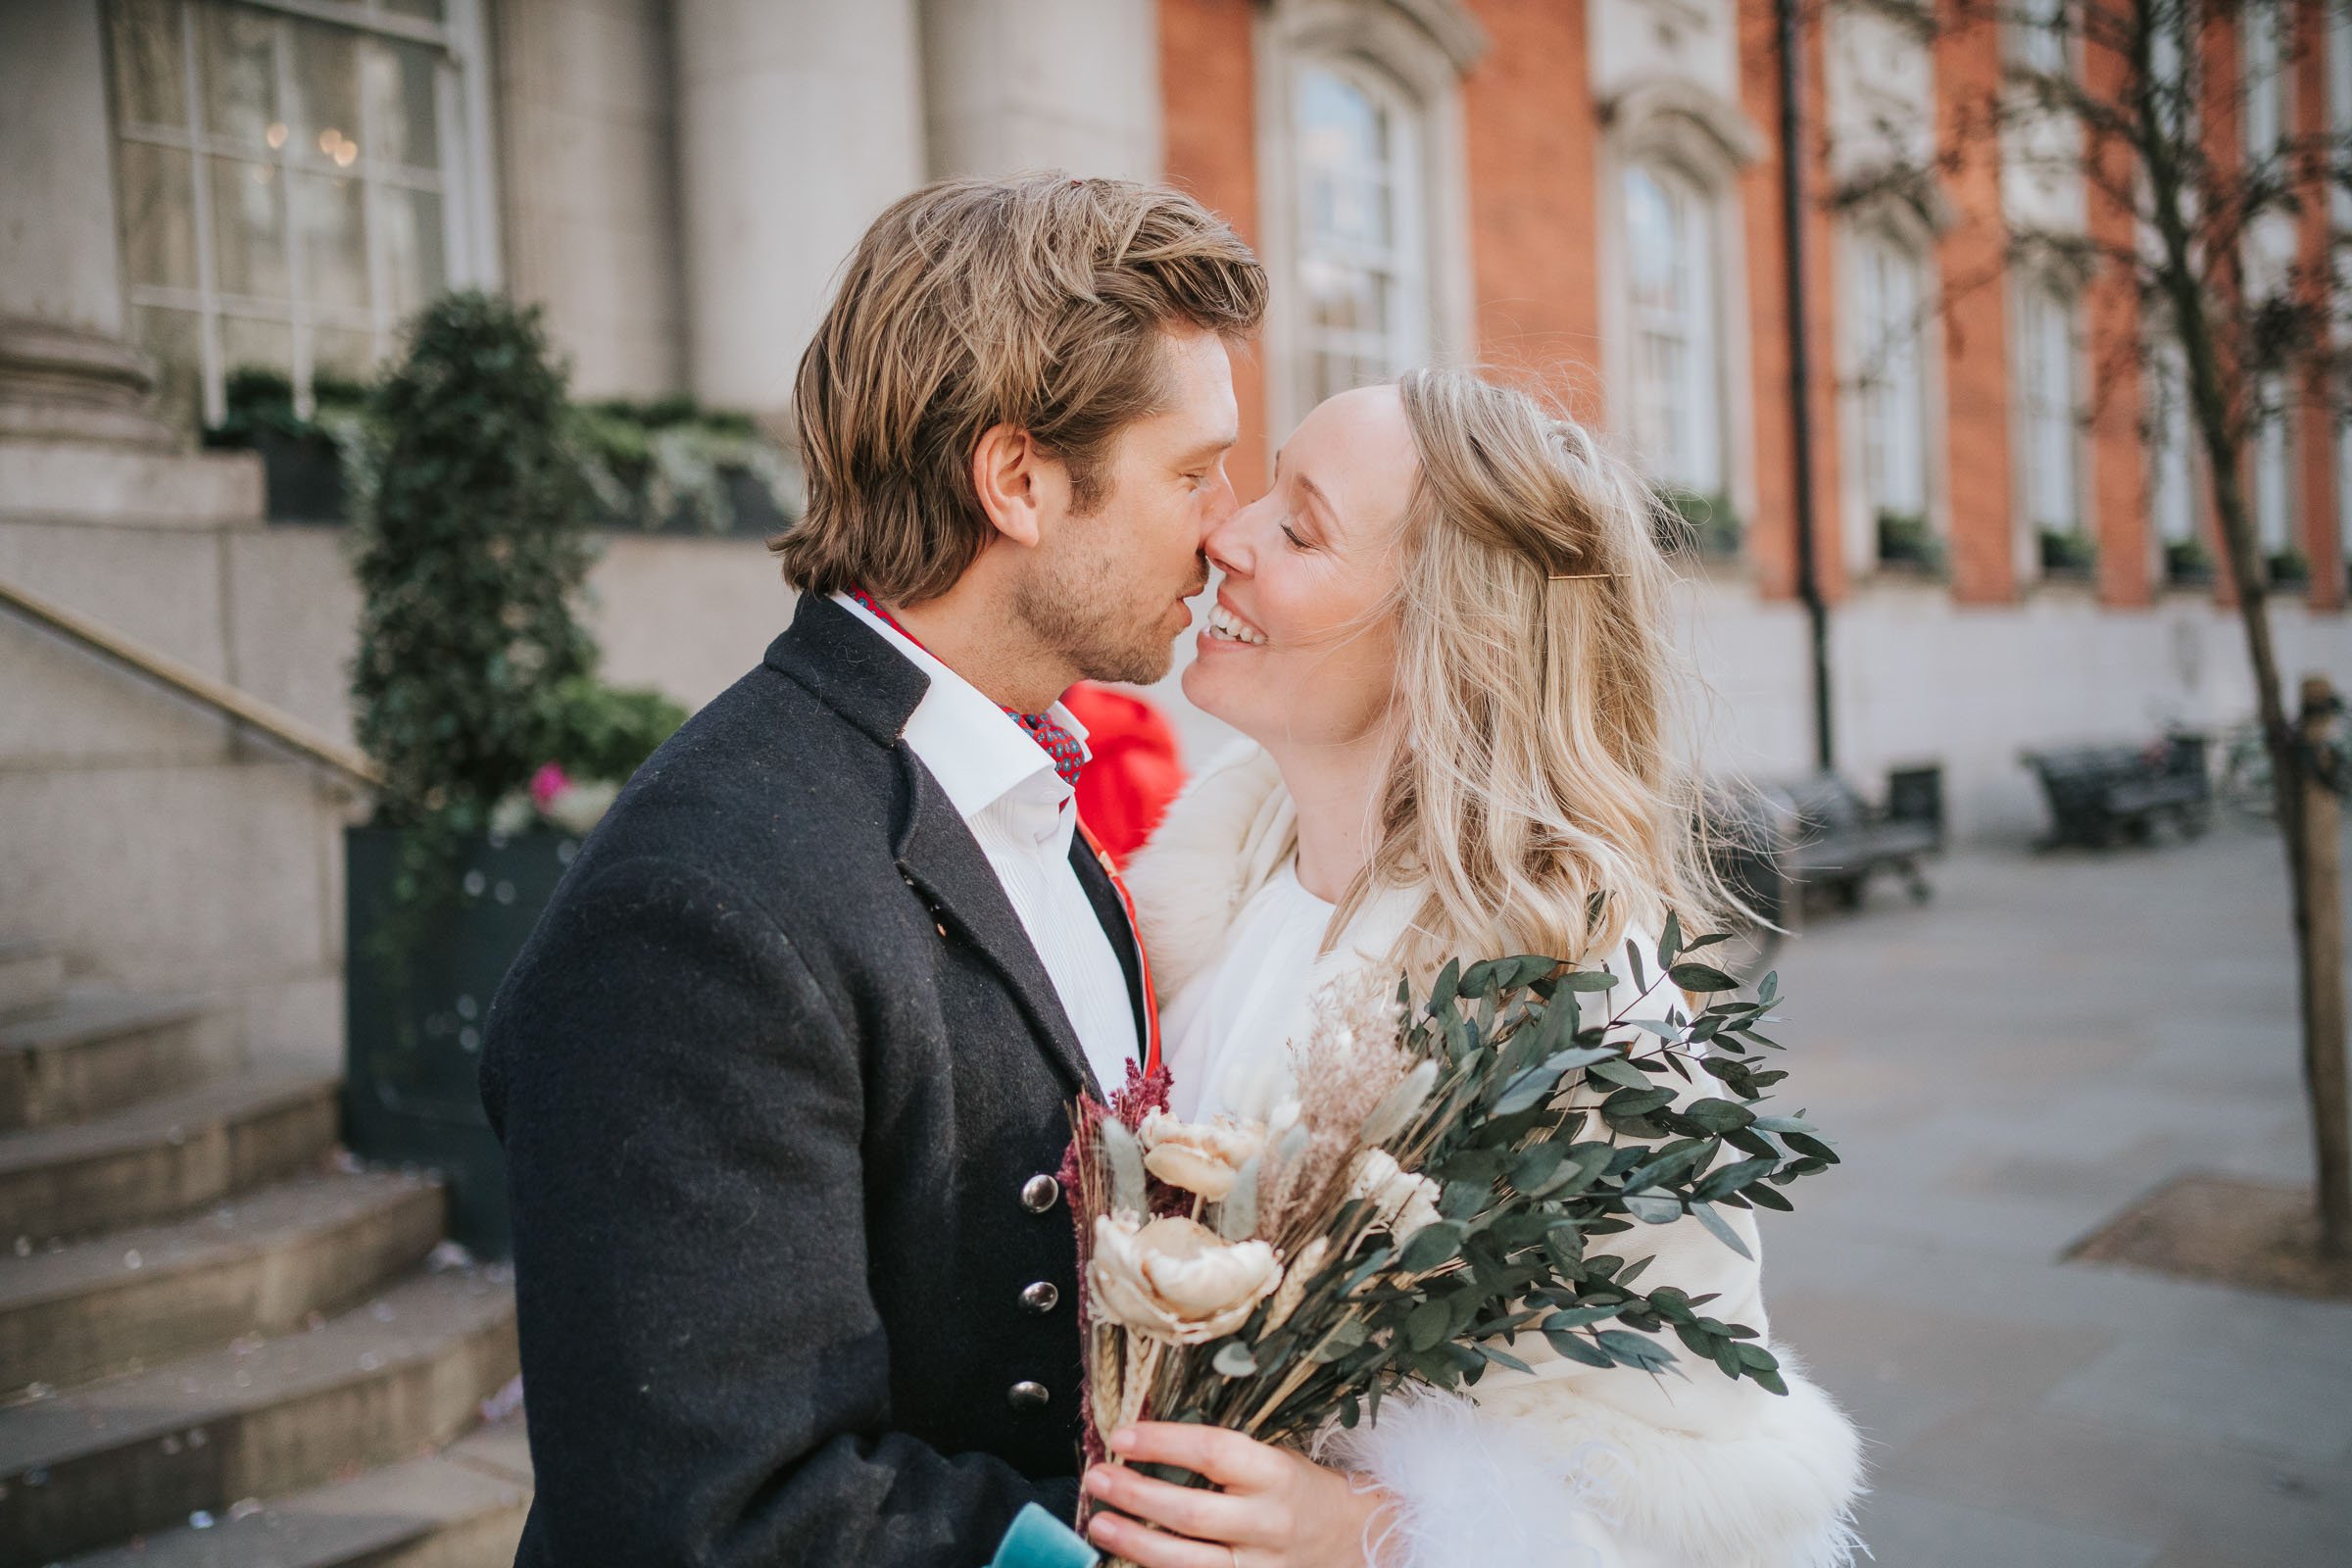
<point x="798" y="121"/>
<point x="64" y="370"/>
<point x="1021" y="84"/>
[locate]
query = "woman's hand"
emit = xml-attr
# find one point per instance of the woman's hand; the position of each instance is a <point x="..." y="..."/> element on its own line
<point x="1270" y="1509"/>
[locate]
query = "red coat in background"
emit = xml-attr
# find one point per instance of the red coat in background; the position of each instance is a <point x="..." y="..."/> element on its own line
<point x="1133" y="770"/>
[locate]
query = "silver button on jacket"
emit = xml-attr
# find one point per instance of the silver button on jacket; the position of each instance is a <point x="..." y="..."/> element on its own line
<point x="1041" y="1296"/>
<point x="1040" y="1192"/>
<point x="1027" y="1396"/>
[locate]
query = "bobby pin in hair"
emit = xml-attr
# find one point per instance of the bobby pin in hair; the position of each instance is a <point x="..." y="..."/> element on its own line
<point x="1579" y="577"/>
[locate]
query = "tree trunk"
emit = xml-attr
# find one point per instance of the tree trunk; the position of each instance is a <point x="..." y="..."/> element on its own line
<point x="2320" y="930"/>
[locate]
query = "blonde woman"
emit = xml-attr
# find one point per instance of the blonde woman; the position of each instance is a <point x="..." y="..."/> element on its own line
<point x="1444" y="628"/>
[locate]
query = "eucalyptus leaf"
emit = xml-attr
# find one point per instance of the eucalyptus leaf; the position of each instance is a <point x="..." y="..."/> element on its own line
<point x="1234" y="1360"/>
<point x="1629" y="1348"/>
<point x="1700" y="978"/>
<point x="1577" y="1347"/>
<point x="1654" y="1207"/>
<point x="1721" y="1229"/>
<point x="1432" y="1245"/>
<point x="1428" y="1324"/>
<point x="1615" y="1069"/>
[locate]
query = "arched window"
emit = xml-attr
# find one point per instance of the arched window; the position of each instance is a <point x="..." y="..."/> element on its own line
<point x="1674" y="327"/>
<point x="1891" y="375"/>
<point x="1361" y="245"/>
<point x="2050" y="485"/>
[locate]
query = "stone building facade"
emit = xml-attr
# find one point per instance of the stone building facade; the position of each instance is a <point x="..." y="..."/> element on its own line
<point x="1583" y="193"/>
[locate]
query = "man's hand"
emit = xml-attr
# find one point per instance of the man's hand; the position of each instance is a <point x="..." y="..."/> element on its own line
<point x="1270" y="1508"/>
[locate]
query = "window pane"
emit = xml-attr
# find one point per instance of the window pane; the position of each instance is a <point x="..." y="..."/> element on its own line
<point x="245" y="341"/>
<point x="326" y="110"/>
<point x="172" y="339"/>
<point x="414" y="266"/>
<point x="329" y="228"/>
<point x="150" y="81"/>
<point x="249" y="229"/>
<point x="239" y="73"/>
<point x="1354" y="250"/>
<point x="403" y="102"/>
<point x="339" y="351"/>
<point x="424" y="9"/>
<point x="159" y="215"/>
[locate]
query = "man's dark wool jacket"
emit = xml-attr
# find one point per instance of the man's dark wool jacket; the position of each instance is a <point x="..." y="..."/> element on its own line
<point x="776" y="1076"/>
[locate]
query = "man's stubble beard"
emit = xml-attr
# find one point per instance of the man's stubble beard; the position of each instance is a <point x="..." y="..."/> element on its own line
<point x="1064" y="609"/>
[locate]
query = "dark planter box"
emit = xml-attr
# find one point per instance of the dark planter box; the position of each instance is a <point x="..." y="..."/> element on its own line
<point x="302" y="478"/>
<point x="414" y="1025"/>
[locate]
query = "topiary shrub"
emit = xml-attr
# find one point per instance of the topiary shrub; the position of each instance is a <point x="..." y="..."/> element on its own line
<point x="468" y="553"/>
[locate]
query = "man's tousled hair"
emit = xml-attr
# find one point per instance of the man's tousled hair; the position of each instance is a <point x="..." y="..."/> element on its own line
<point x="1037" y="302"/>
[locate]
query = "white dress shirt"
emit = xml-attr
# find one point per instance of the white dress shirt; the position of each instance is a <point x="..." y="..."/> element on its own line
<point x="1022" y="814"/>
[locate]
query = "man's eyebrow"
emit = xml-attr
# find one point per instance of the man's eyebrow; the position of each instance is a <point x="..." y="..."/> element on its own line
<point x="1211" y="447"/>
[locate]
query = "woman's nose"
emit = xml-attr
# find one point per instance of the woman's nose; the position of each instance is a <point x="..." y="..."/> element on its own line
<point x="1226" y="541"/>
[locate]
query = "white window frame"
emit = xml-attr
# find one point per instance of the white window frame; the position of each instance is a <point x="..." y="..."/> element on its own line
<point x="2270" y="471"/>
<point x="2172" y="443"/>
<point x="2044" y="41"/>
<point x="1403" y="262"/>
<point x="1677" y="123"/>
<point x="463" y="183"/>
<point x="2269" y="91"/>
<point x="1703" y="397"/>
<point x="1416" y="50"/>
<point x="2050" y="428"/>
<point x="1876" y="343"/>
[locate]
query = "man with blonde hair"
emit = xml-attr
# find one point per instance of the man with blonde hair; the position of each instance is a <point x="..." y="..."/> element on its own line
<point x="782" y="1073"/>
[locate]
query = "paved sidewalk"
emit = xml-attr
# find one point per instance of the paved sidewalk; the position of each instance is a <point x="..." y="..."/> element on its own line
<point x="2004" y="1070"/>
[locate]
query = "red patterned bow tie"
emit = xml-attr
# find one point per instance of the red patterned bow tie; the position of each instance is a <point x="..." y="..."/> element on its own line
<point x="1058" y="743"/>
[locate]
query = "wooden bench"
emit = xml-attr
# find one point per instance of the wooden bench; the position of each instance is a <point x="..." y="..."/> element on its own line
<point x="2100" y="796"/>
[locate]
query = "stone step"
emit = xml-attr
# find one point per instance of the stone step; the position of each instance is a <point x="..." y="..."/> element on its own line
<point x="463" y="1507"/>
<point x="163" y="1158"/>
<point x="93" y="1052"/>
<point x="261" y="1264"/>
<point x="138" y="1454"/>
<point x="31" y="979"/>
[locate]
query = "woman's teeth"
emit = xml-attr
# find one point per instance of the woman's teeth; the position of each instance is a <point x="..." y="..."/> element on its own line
<point x="1226" y="626"/>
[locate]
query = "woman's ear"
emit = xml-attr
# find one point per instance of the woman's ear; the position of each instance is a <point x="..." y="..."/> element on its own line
<point x="1017" y="482"/>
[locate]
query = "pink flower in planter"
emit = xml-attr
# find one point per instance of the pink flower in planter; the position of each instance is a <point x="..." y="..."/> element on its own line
<point x="546" y="784"/>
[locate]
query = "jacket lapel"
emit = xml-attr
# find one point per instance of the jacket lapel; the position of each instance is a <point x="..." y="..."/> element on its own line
<point x="938" y="857"/>
<point x="1094" y="878"/>
<point x="862" y="677"/>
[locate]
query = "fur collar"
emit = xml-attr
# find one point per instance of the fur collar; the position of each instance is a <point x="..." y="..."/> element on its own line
<point x="1221" y="840"/>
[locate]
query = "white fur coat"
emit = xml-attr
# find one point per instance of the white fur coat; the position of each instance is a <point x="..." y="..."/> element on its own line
<point x="1569" y="1465"/>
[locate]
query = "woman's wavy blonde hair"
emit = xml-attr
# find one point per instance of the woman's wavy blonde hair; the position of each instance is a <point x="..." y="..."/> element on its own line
<point x="1533" y="783"/>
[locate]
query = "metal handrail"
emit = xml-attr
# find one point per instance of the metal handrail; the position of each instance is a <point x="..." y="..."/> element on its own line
<point x="274" y="724"/>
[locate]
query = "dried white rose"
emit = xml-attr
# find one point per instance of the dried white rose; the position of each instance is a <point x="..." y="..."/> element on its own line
<point x="1198" y="1157"/>
<point x="1173" y="1280"/>
<point x="1401" y="1201"/>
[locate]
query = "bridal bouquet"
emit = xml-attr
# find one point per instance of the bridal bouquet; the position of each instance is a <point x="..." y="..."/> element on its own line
<point x="1443" y="1182"/>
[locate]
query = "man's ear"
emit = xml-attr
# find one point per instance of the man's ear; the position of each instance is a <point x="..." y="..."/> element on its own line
<point x="1017" y="482"/>
<point x="1010" y="482"/>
